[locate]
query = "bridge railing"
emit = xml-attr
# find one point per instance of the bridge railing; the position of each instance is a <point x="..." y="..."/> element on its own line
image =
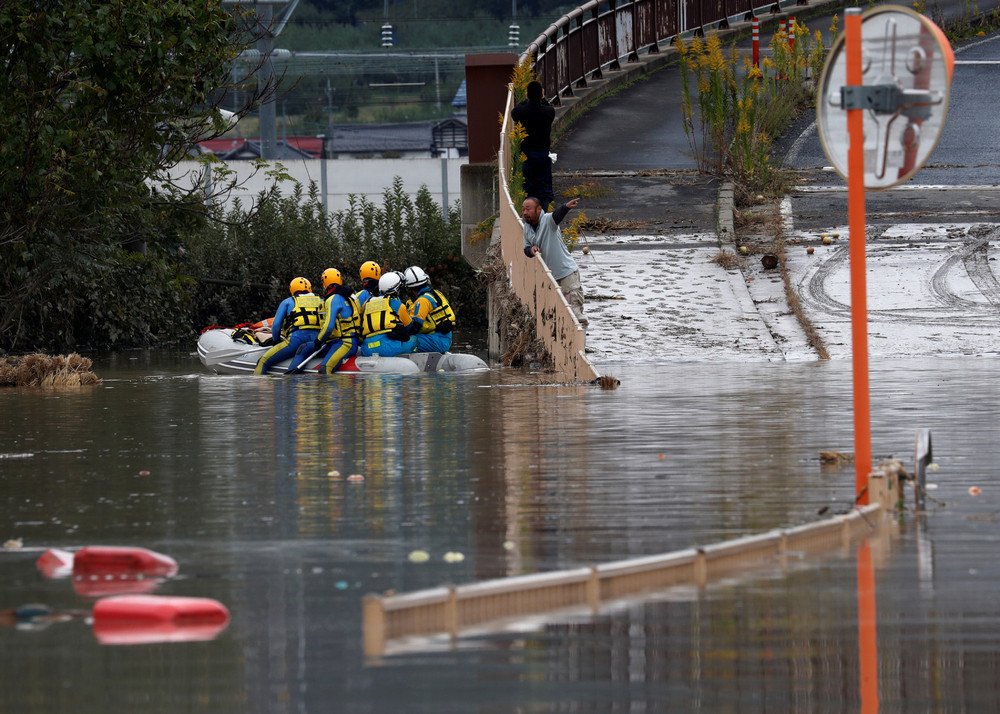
<point x="601" y="33"/>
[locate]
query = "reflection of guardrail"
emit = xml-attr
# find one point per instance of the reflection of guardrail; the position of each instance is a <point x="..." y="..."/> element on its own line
<point x="452" y="610"/>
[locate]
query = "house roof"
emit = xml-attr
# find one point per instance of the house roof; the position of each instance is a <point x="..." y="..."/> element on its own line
<point x="297" y="147"/>
<point x="353" y="139"/>
<point x="376" y="138"/>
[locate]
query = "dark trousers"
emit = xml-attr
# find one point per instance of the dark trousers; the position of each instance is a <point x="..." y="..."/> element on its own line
<point x="538" y="177"/>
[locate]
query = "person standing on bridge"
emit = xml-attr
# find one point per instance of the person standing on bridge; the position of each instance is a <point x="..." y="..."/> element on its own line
<point x="542" y="235"/>
<point x="536" y="116"/>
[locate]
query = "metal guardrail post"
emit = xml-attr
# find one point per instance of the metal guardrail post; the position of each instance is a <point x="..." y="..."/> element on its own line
<point x="922" y="456"/>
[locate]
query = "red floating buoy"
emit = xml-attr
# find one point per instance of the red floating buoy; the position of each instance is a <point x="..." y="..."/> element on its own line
<point x="122" y="561"/>
<point x="142" y="619"/>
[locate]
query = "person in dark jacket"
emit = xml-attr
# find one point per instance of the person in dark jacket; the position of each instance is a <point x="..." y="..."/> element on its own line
<point x="536" y="116"/>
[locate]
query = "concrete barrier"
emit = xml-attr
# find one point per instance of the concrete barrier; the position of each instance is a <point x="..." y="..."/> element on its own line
<point x="492" y="604"/>
<point x="532" y="282"/>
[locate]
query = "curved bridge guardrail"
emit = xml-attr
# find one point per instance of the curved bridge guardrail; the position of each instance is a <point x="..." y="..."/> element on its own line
<point x="533" y="283"/>
<point x="600" y="33"/>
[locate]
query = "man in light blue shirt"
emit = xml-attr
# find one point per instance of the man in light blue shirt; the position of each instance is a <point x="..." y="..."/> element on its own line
<point x="542" y="235"/>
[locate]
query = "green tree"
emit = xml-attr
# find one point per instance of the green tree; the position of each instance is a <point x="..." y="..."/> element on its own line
<point x="97" y="99"/>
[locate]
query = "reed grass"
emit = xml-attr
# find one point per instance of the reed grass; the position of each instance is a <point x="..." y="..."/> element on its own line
<point x="41" y="370"/>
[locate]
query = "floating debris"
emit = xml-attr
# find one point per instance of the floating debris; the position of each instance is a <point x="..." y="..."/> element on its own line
<point x="975" y="490"/>
<point x="39" y="370"/>
<point x="13" y="544"/>
<point x="608" y="382"/>
<point x="419" y="556"/>
<point x="835" y="457"/>
<point x="453" y="557"/>
<point x="355" y="478"/>
<point x="333" y="474"/>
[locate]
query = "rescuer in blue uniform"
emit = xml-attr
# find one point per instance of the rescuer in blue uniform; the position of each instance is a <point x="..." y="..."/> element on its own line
<point x="340" y="332"/>
<point x="385" y="321"/>
<point x="431" y="318"/>
<point x="297" y="321"/>
<point x="370" y="273"/>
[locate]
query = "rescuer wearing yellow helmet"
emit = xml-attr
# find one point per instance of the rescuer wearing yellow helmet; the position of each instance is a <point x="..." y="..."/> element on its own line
<point x="370" y="273"/>
<point x="298" y="321"/>
<point x="340" y="333"/>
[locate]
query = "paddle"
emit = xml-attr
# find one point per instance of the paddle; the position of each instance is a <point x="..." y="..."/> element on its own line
<point x="214" y="357"/>
<point x="303" y="363"/>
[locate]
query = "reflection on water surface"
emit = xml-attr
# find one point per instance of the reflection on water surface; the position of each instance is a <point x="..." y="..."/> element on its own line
<point x="244" y="481"/>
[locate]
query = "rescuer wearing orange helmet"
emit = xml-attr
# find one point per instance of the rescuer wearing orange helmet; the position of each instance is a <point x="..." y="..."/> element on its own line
<point x="298" y="321"/>
<point x="370" y="273"/>
<point x="341" y="330"/>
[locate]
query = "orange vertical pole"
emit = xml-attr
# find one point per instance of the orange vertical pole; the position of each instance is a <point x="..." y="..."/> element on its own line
<point x="859" y="291"/>
<point x="867" y="631"/>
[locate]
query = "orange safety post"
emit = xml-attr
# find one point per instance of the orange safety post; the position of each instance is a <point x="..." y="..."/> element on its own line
<point x="859" y="296"/>
<point x="791" y="33"/>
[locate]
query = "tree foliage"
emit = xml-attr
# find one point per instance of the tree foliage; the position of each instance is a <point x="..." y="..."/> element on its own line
<point x="96" y="100"/>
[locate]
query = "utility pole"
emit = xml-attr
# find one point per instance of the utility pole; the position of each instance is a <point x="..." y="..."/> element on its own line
<point x="265" y="73"/>
<point x="386" y="28"/>
<point x="514" y="34"/>
<point x="268" y="117"/>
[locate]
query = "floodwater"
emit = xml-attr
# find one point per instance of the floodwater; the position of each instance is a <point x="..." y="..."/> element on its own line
<point x="244" y="481"/>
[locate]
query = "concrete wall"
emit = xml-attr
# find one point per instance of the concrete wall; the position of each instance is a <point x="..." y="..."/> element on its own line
<point x="368" y="177"/>
<point x="532" y="282"/>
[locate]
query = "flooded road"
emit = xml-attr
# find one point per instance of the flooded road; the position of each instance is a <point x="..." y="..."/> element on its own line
<point x="245" y="483"/>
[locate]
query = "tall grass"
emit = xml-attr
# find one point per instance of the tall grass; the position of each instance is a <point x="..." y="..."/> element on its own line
<point x="733" y="110"/>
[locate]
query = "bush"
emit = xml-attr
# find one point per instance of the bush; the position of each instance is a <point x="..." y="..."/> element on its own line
<point x="292" y="236"/>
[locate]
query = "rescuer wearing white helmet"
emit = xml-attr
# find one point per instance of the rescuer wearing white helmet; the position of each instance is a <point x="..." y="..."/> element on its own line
<point x="432" y="318"/>
<point x="296" y="324"/>
<point x="385" y="321"/>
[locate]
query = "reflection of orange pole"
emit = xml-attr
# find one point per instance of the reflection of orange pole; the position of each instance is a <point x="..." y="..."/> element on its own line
<point x="867" y="641"/>
<point x="856" y="225"/>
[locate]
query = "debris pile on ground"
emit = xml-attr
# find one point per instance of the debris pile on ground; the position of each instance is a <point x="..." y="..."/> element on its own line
<point x="518" y="337"/>
<point x="40" y="370"/>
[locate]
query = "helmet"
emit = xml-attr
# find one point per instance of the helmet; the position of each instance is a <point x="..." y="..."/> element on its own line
<point x="299" y="285"/>
<point x="415" y="277"/>
<point x="389" y="284"/>
<point x="331" y="276"/>
<point x="370" y="270"/>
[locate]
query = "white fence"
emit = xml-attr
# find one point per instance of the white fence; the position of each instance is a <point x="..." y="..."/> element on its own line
<point x="363" y="177"/>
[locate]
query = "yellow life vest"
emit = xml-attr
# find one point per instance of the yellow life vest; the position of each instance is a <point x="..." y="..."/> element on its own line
<point x="379" y="317"/>
<point x="441" y="318"/>
<point x="307" y="314"/>
<point x="345" y="327"/>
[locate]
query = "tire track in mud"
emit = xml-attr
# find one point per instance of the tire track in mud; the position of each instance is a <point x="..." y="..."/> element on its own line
<point x="942" y="301"/>
<point x="977" y="265"/>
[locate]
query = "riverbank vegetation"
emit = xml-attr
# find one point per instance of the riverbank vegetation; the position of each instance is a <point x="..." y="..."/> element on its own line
<point x="98" y="250"/>
<point x="241" y="264"/>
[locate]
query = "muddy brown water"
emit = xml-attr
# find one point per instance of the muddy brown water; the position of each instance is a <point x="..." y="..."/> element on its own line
<point x="243" y="481"/>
